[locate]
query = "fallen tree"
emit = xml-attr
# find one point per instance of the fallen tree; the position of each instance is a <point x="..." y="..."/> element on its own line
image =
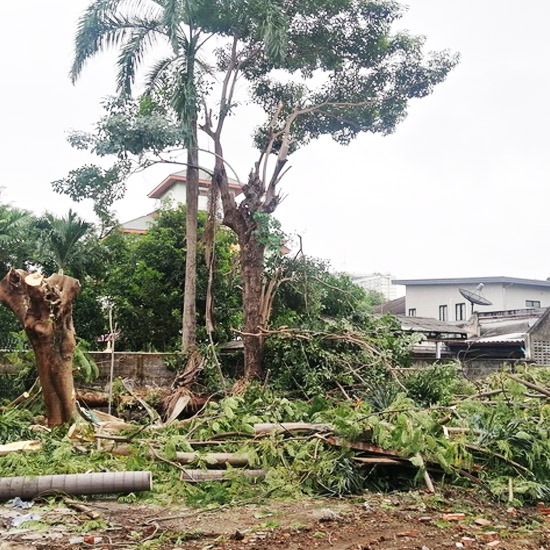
<point x="43" y="307"/>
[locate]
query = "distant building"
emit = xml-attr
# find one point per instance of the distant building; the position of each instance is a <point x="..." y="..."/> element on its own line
<point x="174" y="188"/>
<point x="378" y="282"/>
<point x="441" y="298"/>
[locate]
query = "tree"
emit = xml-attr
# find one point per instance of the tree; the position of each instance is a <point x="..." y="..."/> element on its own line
<point x="59" y="238"/>
<point x="345" y="72"/>
<point x="136" y="27"/>
<point x="334" y="67"/>
<point x="43" y="307"/>
<point x="142" y="277"/>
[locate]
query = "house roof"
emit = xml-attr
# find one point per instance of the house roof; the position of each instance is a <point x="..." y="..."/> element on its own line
<point x="428" y="325"/>
<point x="396" y="306"/>
<point x="510" y="338"/>
<point x="205" y="180"/>
<point x="472" y="281"/>
<point x="138" y="225"/>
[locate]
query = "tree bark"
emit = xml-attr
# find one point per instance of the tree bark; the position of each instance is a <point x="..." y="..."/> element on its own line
<point x="252" y="264"/>
<point x="44" y="309"/>
<point x="189" y="321"/>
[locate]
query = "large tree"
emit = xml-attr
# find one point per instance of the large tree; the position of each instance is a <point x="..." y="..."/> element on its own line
<point x="331" y="67"/>
<point x="138" y="28"/>
<point x="344" y="72"/>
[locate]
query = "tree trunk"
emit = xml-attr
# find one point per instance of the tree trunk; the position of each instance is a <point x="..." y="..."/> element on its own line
<point x="239" y="219"/>
<point x="189" y="321"/>
<point x="44" y="309"/>
<point x="252" y="264"/>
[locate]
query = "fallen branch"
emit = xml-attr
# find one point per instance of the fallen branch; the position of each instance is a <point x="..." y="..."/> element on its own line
<point x="530" y="385"/>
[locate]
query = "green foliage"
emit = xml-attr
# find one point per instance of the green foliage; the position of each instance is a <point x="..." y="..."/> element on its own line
<point x="85" y="368"/>
<point x="142" y="276"/>
<point x="506" y="440"/>
<point x="14" y="426"/>
<point x="433" y="384"/>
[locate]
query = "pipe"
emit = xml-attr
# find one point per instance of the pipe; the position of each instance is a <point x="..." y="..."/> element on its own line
<point x="75" y="484"/>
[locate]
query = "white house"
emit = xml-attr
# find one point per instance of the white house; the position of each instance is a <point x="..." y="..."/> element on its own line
<point x="173" y="188"/>
<point x="441" y="298"/>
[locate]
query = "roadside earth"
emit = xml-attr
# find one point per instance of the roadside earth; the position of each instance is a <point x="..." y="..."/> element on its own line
<point x="399" y="521"/>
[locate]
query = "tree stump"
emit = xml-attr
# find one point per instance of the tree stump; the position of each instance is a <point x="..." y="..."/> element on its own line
<point x="43" y="306"/>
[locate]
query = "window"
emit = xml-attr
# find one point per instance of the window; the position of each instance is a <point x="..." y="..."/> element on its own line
<point x="532" y="303"/>
<point x="412" y="312"/>
<point x="443" y="315"/>
<point x="460" y="312"/>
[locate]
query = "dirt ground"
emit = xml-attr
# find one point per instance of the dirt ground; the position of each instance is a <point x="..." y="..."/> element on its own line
<point x="374" y="521"/>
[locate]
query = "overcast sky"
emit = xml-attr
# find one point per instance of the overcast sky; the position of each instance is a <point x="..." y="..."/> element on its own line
<point x="460" y="189"/>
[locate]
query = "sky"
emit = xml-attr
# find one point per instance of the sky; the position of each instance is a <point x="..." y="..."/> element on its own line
<point x="459" y="190"/>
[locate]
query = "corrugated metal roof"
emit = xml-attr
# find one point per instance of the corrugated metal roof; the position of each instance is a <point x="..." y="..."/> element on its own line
<point x="510" y="338"/>
<point x="429" y="325"/>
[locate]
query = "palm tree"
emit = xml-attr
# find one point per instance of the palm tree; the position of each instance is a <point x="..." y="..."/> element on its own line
<point x="59" y="238"/>
<point x="136" y="27"/>
<point x="15" y="228"/>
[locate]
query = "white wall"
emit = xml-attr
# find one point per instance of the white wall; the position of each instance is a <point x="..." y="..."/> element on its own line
<point x="426" y="299"/>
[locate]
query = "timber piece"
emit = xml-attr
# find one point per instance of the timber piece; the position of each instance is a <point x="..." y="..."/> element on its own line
<point x="28" y="487"/>
<point x="282" y="427"/>
<point x="196" y="476"/>
<point x="92" y="398"/>
<point x="530" y="385"/>
<point x="209" y="459"/>
<point x="214" y="459"/>
<point x="19" y="446"/>
<point x="382" y="460"/>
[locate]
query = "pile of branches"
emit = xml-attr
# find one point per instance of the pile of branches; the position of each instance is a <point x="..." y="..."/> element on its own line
<point x="405" y="429"/>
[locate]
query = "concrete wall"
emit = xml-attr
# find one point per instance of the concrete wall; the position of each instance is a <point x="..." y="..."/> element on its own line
<point x="146" y="369"/>
<point x="426" y="299"/>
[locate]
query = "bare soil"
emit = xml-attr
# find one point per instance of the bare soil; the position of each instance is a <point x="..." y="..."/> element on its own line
<point x="395" y="522"/>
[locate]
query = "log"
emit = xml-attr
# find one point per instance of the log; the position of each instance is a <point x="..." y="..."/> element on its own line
<point x="27" y="487"/>
<point x="209" y="459"/>
<point x="18" y="446"/>
<point x="281" y="427"/>
<point x="214" y="459"/>
<point x="196" y="476"/>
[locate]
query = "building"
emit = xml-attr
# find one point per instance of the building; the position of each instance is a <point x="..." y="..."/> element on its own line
<point x="377" y="282"/>
<point x="174" y="188"/>
<point x="441" y="298"/>
<point x="506" y="336"/>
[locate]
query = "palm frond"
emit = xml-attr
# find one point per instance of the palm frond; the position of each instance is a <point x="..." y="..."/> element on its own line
<point x="132" y="53"/>
<point x="60" y="235"/>
<point x="160" y="68"/>
<point x="171" y="20"/>
<point x="106" y="23"/>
